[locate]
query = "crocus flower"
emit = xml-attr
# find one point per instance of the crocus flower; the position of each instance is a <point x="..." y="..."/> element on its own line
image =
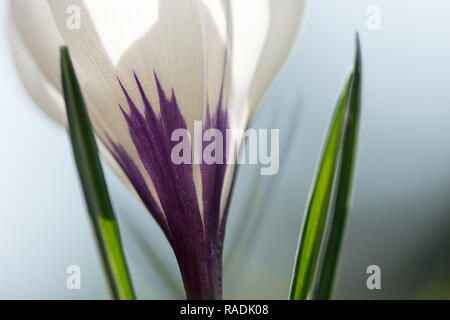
<point x="148" y="68"/>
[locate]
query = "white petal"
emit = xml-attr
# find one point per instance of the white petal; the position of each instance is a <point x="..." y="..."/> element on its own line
<point x="263" y="34"/>
<point x="169" y="41"/>
<point x="182" y="41"/>
<point x="35" y="41"/>
<point x="41" y="91"/>
<point x="284" y="24"/>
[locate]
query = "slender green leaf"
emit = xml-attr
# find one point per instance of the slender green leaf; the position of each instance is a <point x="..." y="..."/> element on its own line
<point x="94" y="185"/>
<point x="320" y="200"/>
<point x="316" y="213"/>
<point x="344" y="179"/>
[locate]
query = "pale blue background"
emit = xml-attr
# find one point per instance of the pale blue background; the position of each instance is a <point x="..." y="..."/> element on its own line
<point x="400" y="218"/>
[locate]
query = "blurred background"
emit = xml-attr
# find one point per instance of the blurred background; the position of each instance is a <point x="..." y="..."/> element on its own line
<point x="400" y="218"/>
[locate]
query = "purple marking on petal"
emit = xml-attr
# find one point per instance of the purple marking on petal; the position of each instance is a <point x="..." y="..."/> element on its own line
<point x="198" y="247"/>
<point x="213" y="175"/>
<point x="138" y="181"/>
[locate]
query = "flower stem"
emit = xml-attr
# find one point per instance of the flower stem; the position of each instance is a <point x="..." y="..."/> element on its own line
<point x="200" y="264"/>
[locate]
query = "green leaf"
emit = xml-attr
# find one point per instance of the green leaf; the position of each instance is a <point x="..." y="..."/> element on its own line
<point x="344" y="179"/>
<point x="320" y="200"/>
<point x="94" y="185"/>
